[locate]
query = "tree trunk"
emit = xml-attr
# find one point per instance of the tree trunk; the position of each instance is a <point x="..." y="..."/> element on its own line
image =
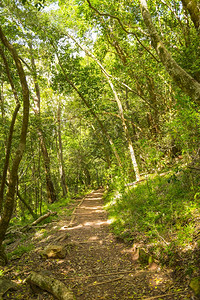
<point x="60" y="154"/>
<point x="8" y="151"/>
<point x="194" y="10"/>
<point x="103" y="129"/>
<point x="51" y="194"/>
<point x="26" y="205"/>
<point x="9" y="198"/>
<point x="188" y="84"/>
<point x="130" y="146"/>
<point x="11" y="130"/>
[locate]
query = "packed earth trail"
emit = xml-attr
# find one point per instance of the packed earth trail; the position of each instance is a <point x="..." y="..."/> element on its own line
<point x="96" y="266"/>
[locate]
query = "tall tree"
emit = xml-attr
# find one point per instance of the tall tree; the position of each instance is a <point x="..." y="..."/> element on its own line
<point x="9" y="198"/>
<point x="49" y="183"/>
<point x="188" y="84"/>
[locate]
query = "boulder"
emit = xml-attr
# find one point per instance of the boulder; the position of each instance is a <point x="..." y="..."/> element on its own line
<point x="53" y="251"/>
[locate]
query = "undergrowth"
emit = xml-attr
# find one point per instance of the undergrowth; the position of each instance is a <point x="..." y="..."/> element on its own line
<point x="20" y="250"/>
<point x="161" y="213"/>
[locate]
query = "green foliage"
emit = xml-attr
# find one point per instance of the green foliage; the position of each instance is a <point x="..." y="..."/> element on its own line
<point x="159" y="211"/>
<point x="20" y="250"/>
<point x="162" y="122"/>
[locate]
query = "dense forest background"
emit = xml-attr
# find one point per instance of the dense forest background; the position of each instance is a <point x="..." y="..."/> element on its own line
<point x="97" y="93"/>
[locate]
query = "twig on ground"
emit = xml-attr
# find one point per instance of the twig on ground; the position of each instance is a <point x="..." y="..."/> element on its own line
<point x="163" y="295"/>
<point x="104" y="282"/>
<point x="73" y="213"/>
<point x="134" y="274"/>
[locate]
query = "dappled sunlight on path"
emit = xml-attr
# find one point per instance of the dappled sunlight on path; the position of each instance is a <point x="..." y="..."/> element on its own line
<point x="99" y="267"/>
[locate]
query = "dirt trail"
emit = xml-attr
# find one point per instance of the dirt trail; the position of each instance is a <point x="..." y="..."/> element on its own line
<point x="96" y="265"/>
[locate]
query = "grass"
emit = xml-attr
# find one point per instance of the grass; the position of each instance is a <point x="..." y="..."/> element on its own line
<point x="20" y="250"/>
<point x="160" y="213"/>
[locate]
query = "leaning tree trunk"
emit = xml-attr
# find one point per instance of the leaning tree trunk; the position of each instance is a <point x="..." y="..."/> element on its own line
<point x="103" y="129"/>
<point x="51" y="194"/>
<point x="108" y="77"/>
<point x="9" y="198"/>
<point x="187" y="83"/>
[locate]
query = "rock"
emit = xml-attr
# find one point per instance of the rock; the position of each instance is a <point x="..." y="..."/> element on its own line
<point x="53" y="251"/>
<point x="5" y="285"/>
<point x="195" y="285"/>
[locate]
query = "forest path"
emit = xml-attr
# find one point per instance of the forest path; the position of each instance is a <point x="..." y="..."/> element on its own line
<point x="99" y="267"/>
<point x="96" y="266"/>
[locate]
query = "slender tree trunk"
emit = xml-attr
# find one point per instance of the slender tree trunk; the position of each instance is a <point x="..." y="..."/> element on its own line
<point x="60" y="154"/>
<point x="130" y="145"/>
<point x="11" y="130"/>
<point x="51" y="194"/>
<point x="108" y="77"/>
<point x="103" y="129"/>
<point x="26" y="204"/>
<point x="187" y="83"/>
<point x="9" y="198"/>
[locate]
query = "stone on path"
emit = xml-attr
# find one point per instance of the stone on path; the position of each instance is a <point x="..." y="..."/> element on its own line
<point x="53" y="251"/>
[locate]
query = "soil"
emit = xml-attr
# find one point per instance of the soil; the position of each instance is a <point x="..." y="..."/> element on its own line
<point x="97" y="265"/>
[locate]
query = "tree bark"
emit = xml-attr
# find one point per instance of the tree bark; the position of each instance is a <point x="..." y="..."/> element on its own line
<point x="9" y="199"/>
<point x="194" y="10"/>
<point x="11" y="130"/>
<point x="8" y="151"/>
<point x="187" y="83"/>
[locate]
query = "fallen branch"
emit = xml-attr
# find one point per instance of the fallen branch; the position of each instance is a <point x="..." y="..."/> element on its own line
<point x="40" y="219"/>
<point x="163" y="295"/>
<point x="133" y="274"/>
<point x="104" y="282"/>
<point x="146" y="178"/>
<point x="73" y="213"/>
<point x="135" y="182"/>
<point x="51" y="285"/>
<point x="20" y="230"/>
<point x="194" y="168"/>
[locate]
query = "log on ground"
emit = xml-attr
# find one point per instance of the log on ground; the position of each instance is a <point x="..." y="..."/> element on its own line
<point x="51" y="285"/>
